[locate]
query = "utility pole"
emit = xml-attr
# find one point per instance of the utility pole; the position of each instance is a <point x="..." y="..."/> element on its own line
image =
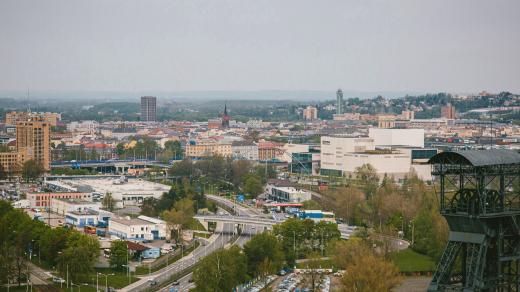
<point x="294" y="243"/>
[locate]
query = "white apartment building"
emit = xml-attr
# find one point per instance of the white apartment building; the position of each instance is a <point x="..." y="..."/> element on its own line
<point x="137" y="229"/>
<point x="255" y="124"/>
<point x="83" y="126"/>
<point x="244" y="150"/>
<point x="334" y="151"/>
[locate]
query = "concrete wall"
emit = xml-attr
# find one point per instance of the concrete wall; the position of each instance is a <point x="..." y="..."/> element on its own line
<point x="389" y="137"/>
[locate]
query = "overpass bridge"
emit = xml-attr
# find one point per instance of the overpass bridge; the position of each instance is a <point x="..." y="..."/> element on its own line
<point x="118" y="164"/>
<point x="259" y="222"/>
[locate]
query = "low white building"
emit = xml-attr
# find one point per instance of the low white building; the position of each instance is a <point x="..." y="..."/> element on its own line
<point x="135" y="229"/>
<point x="160" y="225"/>
<point x="131" y="191"/>
<point x="62" y="206"/>
<point x="244" y="150"/>
<point x="288" y="194"/>
<point x="82" y="218"/>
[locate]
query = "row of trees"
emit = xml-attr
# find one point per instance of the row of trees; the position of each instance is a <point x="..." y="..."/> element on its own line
<point x="266" y="254"/>
<point x="23" y="238"/>
<point x="298" y="238"/>
<point x="388" y="207"/>
<point x="145" y="147"/>
<point x="30" y="170"/>
<point x="233" y="175"/>
<point x="223" y="270"/>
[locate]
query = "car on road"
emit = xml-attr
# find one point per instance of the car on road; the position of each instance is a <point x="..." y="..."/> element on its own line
<point x="152" y="282"/>
<point x="58" y="280"/>
<point x="175" y="283"/>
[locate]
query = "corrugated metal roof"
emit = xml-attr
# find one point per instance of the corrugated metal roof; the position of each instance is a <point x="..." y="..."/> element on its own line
<point x="477" y="157"/>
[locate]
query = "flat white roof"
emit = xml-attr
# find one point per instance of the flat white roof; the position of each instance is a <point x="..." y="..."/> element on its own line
<point x="132" y="187"/>
<point x="150" y="219"/>
<point x="129" y="222"/>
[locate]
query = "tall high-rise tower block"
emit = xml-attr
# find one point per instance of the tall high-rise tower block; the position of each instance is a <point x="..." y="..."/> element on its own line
<point x="148" y="108"/>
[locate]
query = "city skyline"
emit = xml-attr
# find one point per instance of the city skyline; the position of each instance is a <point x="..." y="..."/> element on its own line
<point x="431" y="46"/>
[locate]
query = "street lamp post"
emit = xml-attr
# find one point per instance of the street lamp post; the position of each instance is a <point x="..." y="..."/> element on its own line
<point x="72" y="287"/>
<point x="106" y="280"/>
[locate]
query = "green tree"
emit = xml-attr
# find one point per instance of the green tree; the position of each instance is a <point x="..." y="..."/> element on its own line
<point x="365" y="271"/>
<point x="369" y="273"/>
<point x="120" y="149"/>
<point x="175" y="148"/>
<point x="180" y="216"/>
<point x="149" y="207"/>
<point x="79" y="256"/>
<point x="431" y="231"/>
<point x="221" y="271"/>
<point x="311" y="205"/>
<point x="108" y="202"/>
<point x="53" y="241"/>
<point x="118" y="254"/>
<point x="264" y="255"/>
<point x="368" y="178"/>
<point x="239" y="169"/>
<point x="253" y="185"/>
<point x="31" y="170"/>
<point x="182" y="168"/>
<point x="300" y="237"/>
<point x="7" y="263"/>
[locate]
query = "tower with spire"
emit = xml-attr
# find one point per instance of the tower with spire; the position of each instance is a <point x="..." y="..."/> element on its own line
<point x="225" y="118"/>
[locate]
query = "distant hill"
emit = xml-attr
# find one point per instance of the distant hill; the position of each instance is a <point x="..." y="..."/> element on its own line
<point x="103" y="96"/>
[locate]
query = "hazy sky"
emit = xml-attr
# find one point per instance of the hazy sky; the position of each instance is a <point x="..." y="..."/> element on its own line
<point x="394" y="45"/>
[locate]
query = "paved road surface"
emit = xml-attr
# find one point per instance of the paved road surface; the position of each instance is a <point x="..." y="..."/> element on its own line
<point x="216" y="241"/>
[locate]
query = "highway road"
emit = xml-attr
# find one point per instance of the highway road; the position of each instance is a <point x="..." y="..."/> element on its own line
<point x="216" y="241"/>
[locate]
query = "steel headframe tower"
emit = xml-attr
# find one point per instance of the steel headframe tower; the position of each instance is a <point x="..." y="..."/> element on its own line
<point x="480" y="199"/>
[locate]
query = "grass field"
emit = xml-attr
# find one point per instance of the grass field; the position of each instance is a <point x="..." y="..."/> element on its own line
<point x="411" y="261"/>
<point x="195" y="225"/>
